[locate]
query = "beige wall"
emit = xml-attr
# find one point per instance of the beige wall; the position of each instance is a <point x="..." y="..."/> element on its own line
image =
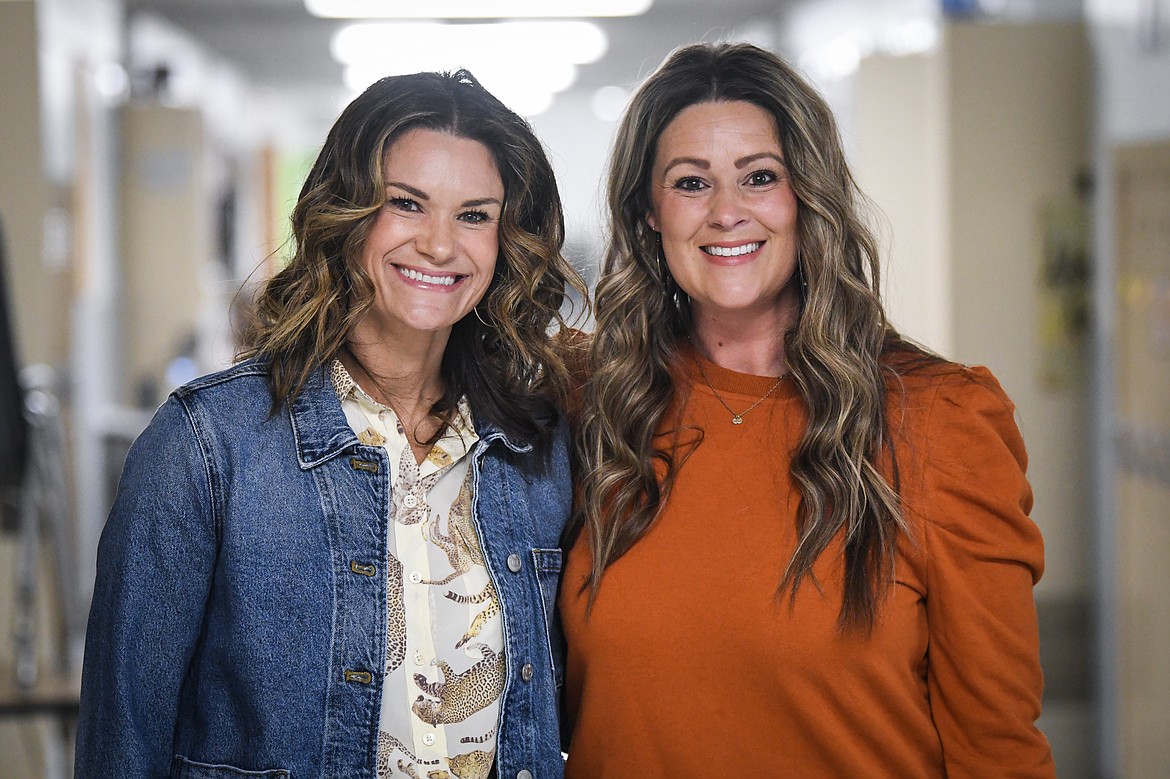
<point x="166" y="242"/>
<point x="23" y="193"/>
<point x="902" y="122"/>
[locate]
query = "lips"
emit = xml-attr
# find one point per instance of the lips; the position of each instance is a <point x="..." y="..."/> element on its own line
<point x="434" y="279"/>
<point x="732" y="251"/>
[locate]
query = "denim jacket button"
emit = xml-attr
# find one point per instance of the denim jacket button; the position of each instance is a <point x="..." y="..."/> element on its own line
<point x="359" y="464"/>
<point x="524" y="773"/>
<point x="515" y="563"/>
<point x="365" y="569"/>
<point x="526" y="672"/>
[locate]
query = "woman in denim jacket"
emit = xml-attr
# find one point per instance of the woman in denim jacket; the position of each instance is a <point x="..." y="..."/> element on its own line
<point x="339" y="557"/>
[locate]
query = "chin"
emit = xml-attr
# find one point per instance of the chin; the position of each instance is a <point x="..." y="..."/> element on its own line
<point x="737" y="302"/>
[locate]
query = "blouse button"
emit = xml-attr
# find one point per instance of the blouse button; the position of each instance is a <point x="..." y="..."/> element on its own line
<point x="429" y="739"/>
<point x="526" y="672"/>
<point x="514" y="563"/>
<point x="415" y="577"/>
<point x="524" y="773"/>
<point x="410" y="501"/>
<point x="418" y="658"/>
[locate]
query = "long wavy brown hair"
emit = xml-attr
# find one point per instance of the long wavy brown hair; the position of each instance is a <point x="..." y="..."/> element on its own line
<point x="504" y="358"/>
<point x="837" y="353"/>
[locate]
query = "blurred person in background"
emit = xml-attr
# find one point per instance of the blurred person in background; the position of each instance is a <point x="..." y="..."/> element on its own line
<point x="340" y="556"/>
<point x="803" y="546"/>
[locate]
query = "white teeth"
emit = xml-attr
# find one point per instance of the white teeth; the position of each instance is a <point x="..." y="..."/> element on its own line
<point x="442" y="281"/>
<point x="731" y="251"/>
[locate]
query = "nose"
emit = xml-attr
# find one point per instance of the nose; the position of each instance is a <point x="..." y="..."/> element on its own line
<point x="435" y="240"/>
<point x="727" y="208"/>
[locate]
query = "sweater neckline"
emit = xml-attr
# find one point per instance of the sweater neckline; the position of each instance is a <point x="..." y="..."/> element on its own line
<point x="728" y="382"/>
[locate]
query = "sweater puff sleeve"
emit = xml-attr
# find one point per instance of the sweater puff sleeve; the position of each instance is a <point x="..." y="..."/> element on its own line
<point x="984" y="556"/>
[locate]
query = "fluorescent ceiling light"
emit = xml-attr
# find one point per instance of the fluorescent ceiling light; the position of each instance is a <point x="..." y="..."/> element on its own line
<point x="474" y="9"/>
<point x="522" y="63"/>
<point x="537" y="42"/>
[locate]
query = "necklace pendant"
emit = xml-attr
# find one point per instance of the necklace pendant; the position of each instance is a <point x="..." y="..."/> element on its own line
<point x="736" y="420"/>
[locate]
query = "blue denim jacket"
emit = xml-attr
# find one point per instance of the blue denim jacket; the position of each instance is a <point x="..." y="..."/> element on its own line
<point x="236" y="628"/>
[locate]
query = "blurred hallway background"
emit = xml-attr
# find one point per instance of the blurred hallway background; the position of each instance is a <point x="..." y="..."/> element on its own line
<point x="1017" y="152"/>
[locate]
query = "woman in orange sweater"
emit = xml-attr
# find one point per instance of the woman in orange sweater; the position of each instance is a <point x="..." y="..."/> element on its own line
<point x="803" y="543"/>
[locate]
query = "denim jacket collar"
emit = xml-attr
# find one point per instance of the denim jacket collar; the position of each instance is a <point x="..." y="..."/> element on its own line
<point x="322" y="431"/>
<point x="319" y="425"/>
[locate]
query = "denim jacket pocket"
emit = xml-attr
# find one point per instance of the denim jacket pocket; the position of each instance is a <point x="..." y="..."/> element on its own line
<point x="548" y="577"/>
<point x="182" y="768"/>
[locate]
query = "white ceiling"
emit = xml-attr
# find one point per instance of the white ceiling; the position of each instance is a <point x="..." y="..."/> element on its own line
<point x="277" y="44"/>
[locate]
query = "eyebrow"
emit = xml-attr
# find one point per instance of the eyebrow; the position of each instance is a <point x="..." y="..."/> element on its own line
<point x="418" y="193"/>
<point x="739" y="163"/>
<point x="483" y="201"/>
<point x="698" y="163"/>
<point x="749" y="159"/>
<point x="414" y="192"/>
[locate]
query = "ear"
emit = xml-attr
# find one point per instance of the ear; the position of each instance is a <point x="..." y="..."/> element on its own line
<point x="650" y="220"/>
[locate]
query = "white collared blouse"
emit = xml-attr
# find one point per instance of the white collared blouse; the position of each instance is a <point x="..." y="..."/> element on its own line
<point x="445" y="664"/>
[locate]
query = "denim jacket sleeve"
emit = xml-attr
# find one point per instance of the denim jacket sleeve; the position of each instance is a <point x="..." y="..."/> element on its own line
<point x="154" y="568"/>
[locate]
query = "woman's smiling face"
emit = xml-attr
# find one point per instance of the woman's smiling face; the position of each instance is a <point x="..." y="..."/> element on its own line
<point x="432" y="250"/>
<point x="722" y="202"/>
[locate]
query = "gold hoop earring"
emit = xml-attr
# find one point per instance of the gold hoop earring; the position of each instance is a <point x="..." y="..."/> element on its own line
<point x="480" y="318"/>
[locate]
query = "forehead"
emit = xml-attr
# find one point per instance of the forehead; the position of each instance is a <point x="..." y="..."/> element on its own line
<point x="707" y="127"/>
<point x="423" y="153"/>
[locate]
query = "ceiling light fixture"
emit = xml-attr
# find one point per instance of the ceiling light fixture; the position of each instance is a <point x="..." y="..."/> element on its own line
<point x="523" y="63"/>
<point x="535" y="41"/>
<point x="474" y="9"/>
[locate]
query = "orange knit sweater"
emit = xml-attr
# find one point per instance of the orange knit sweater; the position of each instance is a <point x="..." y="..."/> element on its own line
<point x="691" y="665"/>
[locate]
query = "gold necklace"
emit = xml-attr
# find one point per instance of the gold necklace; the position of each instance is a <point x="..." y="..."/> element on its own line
<point x="736" y="419"/>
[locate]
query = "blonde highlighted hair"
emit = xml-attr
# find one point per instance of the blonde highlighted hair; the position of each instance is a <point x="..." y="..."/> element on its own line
<point x="837" y="354"/>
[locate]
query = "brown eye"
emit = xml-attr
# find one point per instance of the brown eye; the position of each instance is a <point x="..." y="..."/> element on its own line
<point x="403" y="204"/>
<point x="761" y="178"/>
<point x="689" y="184"/>
<point x="476" y="217"/>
